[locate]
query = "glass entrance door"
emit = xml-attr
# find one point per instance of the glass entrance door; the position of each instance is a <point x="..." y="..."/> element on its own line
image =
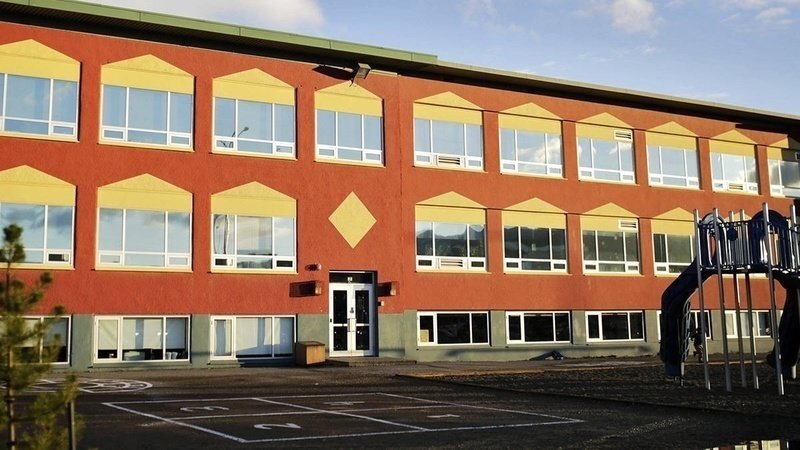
<point x="352" y="317"/>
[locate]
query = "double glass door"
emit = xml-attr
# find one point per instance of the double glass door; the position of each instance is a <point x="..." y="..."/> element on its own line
<point x="352" y="318"/>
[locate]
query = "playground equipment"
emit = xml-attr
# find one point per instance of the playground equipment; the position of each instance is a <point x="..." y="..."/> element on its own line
<point x="768" y="243"/>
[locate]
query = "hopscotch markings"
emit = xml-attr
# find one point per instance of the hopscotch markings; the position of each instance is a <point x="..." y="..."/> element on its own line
<point x="443" y="416"/>
<point x="204" y="408"/>
<point x="303" y="413"/>
<point x="269" y="426"/>
<point x="343" y="403"/>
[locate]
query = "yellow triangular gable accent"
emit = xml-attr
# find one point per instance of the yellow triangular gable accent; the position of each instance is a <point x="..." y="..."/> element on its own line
<point x="32" y="58"/>
<point x="253" y="199"/>
<point x="676" y="214"/>
<point x="144" y="192"/>
<point x="672" y="128"/>
<point x="787" y="142"/>
<point x="147" y="72"/>
<point x="448" y="99"/>
<point x="349" y="89"/>
<point x="605" y="119"/>
<point x="734" y="136"/>
<point x="535" y="205"/>
<point x="147" y="63"/>
<point x="452" y="199"/>
<point x="350" y="98"/>
<point x="24" y="184"/>
<point x="610" y="210"/>
<point x="254" y="76"/>
<point x="532" y="110"/>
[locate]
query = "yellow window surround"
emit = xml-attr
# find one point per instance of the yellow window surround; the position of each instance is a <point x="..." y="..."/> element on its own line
<point x="534" y="219"/>
<point x="144" y="192"/>
<point x="147" y="72"/>
<point x="525" y="123"/>
<point x="24" y="184"/>
<point x="349" y="98"/>
<point x="254" y="85"/>
<point x="253" y="199"/>
<point x="33" y="59"/>
<point x="449" y="214"/>
<point x="671" y="140"/>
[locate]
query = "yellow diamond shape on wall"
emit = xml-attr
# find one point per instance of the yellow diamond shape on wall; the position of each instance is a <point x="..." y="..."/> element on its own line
<point x="352" y="220"/>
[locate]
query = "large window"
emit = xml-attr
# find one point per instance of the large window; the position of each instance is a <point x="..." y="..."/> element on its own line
<point x="734" y="172"/>
<point x="131" y="237"/>
<point x="252" y="337"/>
<point x="349" y="137"/>
<point x="784" y="177"/>
<point x="615" y="326"/>
<point x="47" y="231"/>
<point x="530" y="152"/>
<point x="694" y="323"/>
<point x="448" y="144"/>
<point x="761" y="322"/>
<point x="54" y="345"/>
<point x="672" y="166"/>
<point x="38" y="106"/>
<point x="451" y="246"/>
<point x="609" y="160"/>
<point x="538" y="327"/>
<point x="535" y="249"/>
<point x="611" y="251"/>
<point x="147" y="116"/>
<point x="442" y="328"/>
<point x="253" y="127"/>
<point x="141" y="338"/>
<point x="246" y="242"/>
<point x="673" y="253"/>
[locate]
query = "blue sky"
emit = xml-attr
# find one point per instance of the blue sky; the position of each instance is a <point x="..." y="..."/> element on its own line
<point x="738" y="52"/>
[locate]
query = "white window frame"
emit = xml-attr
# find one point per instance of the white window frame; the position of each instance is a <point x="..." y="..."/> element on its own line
<point x="516" y="264"/>
<point x="663" y="268"/>
<point x="755" y="321"/>
<point x="435" y="338"/>
<point x="467" y="263"/>
<point x="52" y="256"/>
<point x="368" y="155"/>
<point x="280" y="149"/>
<point x="657" y="179"/>
<point x="513" y="166"/>
<point x="599" y="315"/>
<point x="226" y="261"/>
<point x="119" y="356"/>
<point x="695" y="316"/>
<point x="593" y="266"/>
<point x="52" y="125"/>
<point x="724" y="185"/>
<point x="233" y="319"/>
<point x="120" y="255"/>
<point x="447" y="160"/>
<point x="521" y="316"/>
<point x="67" y="339"/>
<point x="590" y="173"/>
<point x="781" y="189"/>
<point x="124" y="130"/>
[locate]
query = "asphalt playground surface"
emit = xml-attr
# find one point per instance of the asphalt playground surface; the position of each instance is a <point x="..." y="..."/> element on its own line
<point x="390" y="405"/>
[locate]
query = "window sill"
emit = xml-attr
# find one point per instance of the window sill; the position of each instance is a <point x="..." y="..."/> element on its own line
<point x="725" y="191"/>
<point x="613" y="341"/>
<point x="219" y="151"/>
<point x="621" y="183"/>
<point x="44" y="137"/>
<point x="451" y="271"/>
<point x="145" y="146"/>
<point x="536" y="272"/>
<point x="681" y="188"/>
<point x="345" y="162"/>
<point x="613" y="274"/>
<point x="448" y="168"/>
<point x="142" y="269"/>
<point x="532" y="175"/>
<point x="48" y="267"/>
<point x="254" y="271"/>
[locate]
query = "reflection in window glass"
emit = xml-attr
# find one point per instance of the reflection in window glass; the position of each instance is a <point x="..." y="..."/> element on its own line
<point x="146" y="116"/>
<point x="673" y="253"/>
<point x="131" y="237"/>
<point x="253" y="127"/>
<point x="672" y="166"/>
<point x="248" y="242"/>
<point x="350" y="137"/>
<point x="734" y="172"/>
<point x="784" y="177"/>
<point x="47" y="231"/>
<point x="535" y="249"/>
<point x="253" y="337"/>
<point x="455" y="143"/>
<point x="610" y="251"/>
<point x="38" y="106"/>
<point x="443" y="245"/>
<point x="603" y="159"/>
<point x="530" y="152"/>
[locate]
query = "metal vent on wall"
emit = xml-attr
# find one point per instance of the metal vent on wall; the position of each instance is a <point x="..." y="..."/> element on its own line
<point x="628" y="225"/>
<point x="623" y="135"/>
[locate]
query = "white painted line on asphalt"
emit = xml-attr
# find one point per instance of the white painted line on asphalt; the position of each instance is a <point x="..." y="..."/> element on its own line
<point x="301" y="413"/>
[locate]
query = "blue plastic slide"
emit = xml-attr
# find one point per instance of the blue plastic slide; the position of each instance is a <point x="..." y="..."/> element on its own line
<point x="674" y="318"/>
<point x="789" y="325"/>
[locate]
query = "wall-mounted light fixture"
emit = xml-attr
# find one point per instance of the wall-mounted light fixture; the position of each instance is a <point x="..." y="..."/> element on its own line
<point x="314" y="267"/>
<point x="387" y="289"/>
<point x="305" y="288"/>
<point x="360" y="71"/>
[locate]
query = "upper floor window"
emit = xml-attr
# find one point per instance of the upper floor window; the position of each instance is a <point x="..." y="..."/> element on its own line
<point x="247" y="242"/>
<point x="38" y="94"/>
<point x="144" y="222"/>
<point x="673" y="253"/>
<point x="530" y="152"/>
<point x="784" y="172"/>
<point x="254" y="114"/>
<point x="603" y="159"/>
<point x="444" y="246"/>
<point x="47" y="231"/>
<point x="448" y="132"/>
<point x="349" y="137"/>
<point x="535" y="249"/>
<point x="147" y="101"/>
<point x="615" y="251"/>
<point x="672" y="166"/>
<point x="734" y="172"/>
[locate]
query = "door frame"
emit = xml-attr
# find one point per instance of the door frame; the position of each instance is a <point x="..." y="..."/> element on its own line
<point x="351" y="287"/>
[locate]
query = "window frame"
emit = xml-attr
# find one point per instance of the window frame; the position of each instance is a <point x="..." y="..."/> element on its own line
<point x="118" y="355"/>
<point x="590" y="173"/>
<point x="52" y="124"/>
<point x="554" y="262"/>
<point x="695" y="314"/>
<point x="121" y="254"/>
<point x="439" y="159"/>
<point x="125" y="130"/>
<point x="67" y="338"/>
<point x="775" y="169"/>
<point x="631" y="267"/>
<point x="233" y="328"/>
<point x="755" y="321"/>
<point x="233" y="141"/>
<point x="231" y="260"/>
<point x="550" y="169"/>
<point x="601" y="338"/>
<point x="725" y="185"/>
<point x="444" y="263"/>
<point x="657" y="179"/>
<point x="665" y="267"/>
<point x="435" y="338"/>
<point x="67" y="255"/>
<point x="336" y="148"/>
<point x="522" y="314"/>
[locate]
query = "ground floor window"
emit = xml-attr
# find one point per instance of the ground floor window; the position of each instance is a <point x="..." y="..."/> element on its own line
<point x="761" y="323"/>
<point x="615" y="326"/>
<point x="141" y="338"/>
<point x="54" y="345"/>
<point x="538" y="327"/>
<point x="252" y="337"/>
<point x="453" y="328"/>
<point x="694" y="323"/>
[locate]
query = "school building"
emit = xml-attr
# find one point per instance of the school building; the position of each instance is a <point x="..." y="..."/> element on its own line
<point x="207" y="194"/>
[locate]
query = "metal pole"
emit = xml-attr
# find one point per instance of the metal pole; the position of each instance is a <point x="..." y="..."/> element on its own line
<point x="793" y="234"/>
<point x="773" y="309"/>
<point x="719" y="231"/>
<point x="749" y="298"/>
<point x="73" y="444"/>
<point x="699" y="266"/>
<point x="739" y="260"/>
